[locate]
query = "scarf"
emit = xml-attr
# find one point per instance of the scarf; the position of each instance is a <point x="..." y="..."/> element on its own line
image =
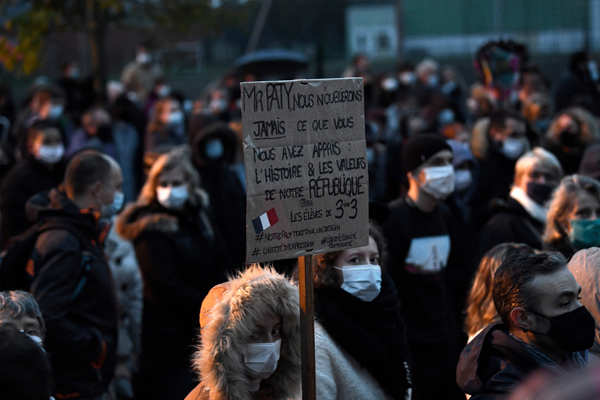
<point x="534" y="209"/>
<point x="372" y="333"/>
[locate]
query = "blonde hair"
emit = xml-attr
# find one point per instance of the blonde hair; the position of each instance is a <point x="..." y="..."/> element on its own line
<point x="562" y="203"/>
<point x="179" y="157"/>
<point x="535" y="156"/>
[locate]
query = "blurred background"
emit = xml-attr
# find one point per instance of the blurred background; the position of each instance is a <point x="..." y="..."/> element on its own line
<point x="198" y="41"/>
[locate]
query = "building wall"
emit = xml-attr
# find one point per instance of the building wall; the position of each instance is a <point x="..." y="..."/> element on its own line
<point x="458" y="27"/>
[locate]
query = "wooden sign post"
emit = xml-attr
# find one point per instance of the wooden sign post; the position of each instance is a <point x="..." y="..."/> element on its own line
<point x="307" y="326"/>
<point x="307" y="180"/>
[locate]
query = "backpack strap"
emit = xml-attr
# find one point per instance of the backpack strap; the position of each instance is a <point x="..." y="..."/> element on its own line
<point x="86" y="259"/>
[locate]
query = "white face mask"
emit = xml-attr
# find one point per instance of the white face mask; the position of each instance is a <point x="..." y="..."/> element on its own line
<point x="512" y="148"/>
<point x="389" y="84"/>
<point x="218" y="105"/>
<point x="472" y="105"/>
<point x="462" y="179"/>
<point x="439" y="181"/>
<point x="113" y="208"/>
<point x="172" y="196"/>
<point x="261" y="358"/>
<point x="50" y="154"/>
<point x="55" y="111"/>
<point x="362" y="281"/>
<point x="142" y="58"/>
<point x="38" y="340"/>
<point x="175" y="117"/>
<point x="407" y="78"/>
<point x="163" y="91"/>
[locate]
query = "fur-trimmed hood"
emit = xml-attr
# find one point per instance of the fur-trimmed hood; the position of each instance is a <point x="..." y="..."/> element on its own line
<point x="143" y="216"/>
<point x="137" y="218"/>
<point x="229" y="315"/>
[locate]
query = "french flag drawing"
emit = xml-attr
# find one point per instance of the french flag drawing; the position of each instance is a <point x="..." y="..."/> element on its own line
<point x="265" y="221"/>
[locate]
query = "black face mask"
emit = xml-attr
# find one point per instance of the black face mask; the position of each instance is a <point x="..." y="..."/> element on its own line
<point x="572" y="331"/>
<point x="539" y="192"/>
<point x="569" y="139"/>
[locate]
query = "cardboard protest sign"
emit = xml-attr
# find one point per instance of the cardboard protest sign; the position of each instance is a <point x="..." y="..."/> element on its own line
<point x="306" y="167"/>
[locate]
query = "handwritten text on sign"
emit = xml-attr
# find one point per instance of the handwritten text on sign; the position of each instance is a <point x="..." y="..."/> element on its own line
<point x="306" y="167"/>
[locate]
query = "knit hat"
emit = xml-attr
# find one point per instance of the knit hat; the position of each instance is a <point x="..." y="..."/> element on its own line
<point x="419" y="148"/>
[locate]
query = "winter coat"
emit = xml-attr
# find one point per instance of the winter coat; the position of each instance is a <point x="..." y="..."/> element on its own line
<point x="74" y="287"/>
<point x="496" y="172"/>
<point x="180" y="256"/>
<point x="510" y="222"/>
<point x="227" y="193"/>
<point x="428" y="267"/>
<point x="128" y="282"/>
<point x="229" y="315"/>
<point x="495" y="362"/>
<point x="585" y="267"/>
<point x="24" y="180"/>
<point x="363" y="349"/>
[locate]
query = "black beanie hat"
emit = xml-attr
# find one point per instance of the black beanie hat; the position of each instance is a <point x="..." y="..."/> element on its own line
<point x="418" y="148"/>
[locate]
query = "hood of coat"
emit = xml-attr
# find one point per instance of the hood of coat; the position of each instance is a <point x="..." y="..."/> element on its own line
<point x="585" y="267"/>
<point x="229" y="316"/>
<point x="138" y="218"/>
<point x="55" y="204"/>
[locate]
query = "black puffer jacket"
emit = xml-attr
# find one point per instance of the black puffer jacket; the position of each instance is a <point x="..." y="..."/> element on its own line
<point x="181" y="257"/>
<point x="510" y="222"/>
<point x="24" y="180"/>
<point x="73" y="285"/>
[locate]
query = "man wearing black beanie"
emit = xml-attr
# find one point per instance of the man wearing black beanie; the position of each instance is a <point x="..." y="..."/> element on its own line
<point x="419" y="231"/>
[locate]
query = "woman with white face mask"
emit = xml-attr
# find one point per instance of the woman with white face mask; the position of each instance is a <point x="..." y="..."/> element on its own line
<point x="250" y="339"/>
<point x="42" y="168"/>
<point x="360" y="346"/>
<point x="166" y="128"/>
<point x="181" y="256"/>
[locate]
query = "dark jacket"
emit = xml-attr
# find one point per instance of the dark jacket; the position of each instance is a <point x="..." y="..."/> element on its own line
<point x="25" y="179"/>
<point x="226" y="191"/>
<point x="494" y="363"/>
<point x="510" y="222"/>
<point x="74" y="287"/>
<point x="181" y="257"/>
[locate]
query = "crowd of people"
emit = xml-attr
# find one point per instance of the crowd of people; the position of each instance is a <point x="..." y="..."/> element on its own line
<point x="122" y="225"/>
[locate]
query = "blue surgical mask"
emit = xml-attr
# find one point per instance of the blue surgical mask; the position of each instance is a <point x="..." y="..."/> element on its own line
<point x="173" y="197"/>
<point x="361" y="281"/>
<point x="214" y="149"/>
<point x="55" y="111"/>
<point x="370" y="155"/>
<point x="176" y="117"/>
<point x="109" y="210"/>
